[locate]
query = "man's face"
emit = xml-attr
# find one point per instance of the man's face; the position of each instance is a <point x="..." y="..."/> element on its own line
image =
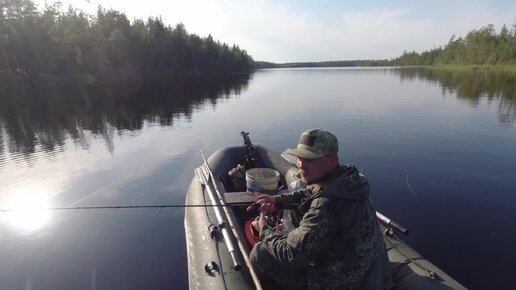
<point x="315" y="170"/>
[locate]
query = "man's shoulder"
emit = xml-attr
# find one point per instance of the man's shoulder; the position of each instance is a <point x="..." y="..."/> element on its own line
<point x="350" y="184"/>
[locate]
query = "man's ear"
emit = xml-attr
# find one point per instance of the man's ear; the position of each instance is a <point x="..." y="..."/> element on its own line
<point x="333" y="161"/>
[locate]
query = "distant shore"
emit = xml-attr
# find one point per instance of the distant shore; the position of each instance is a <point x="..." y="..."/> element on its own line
<point x="384" y="63"/>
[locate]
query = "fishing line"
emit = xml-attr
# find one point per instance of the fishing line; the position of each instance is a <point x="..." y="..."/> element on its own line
<point x="91" y="194"/>
<point x="410" y="188"/>
<point x="144" y="193"/>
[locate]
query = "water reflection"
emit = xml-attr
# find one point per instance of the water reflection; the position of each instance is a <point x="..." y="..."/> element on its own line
<point x="473" y="86"/>
<point x="28" y="208"/>
<point x="155" y="129"/>
<point x="38" y="115"/>
<point x="43" y="116"/>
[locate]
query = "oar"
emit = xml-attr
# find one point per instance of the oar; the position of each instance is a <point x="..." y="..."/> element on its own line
<point x="391" y="224"/>
<point x="254" y="276"/>
<point x="227" y="238"/>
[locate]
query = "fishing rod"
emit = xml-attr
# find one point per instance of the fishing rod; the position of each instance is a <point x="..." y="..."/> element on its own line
<point x="389" y="223"/>
<point x="133" y="206"/>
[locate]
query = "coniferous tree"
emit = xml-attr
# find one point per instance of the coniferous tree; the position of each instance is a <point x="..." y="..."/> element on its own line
<point x="71" y="42"/>
<point x="479" y="47"/>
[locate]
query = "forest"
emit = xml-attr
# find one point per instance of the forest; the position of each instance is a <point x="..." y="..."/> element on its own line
<point x="70" y="42"/>
<point x="482" y="46"/>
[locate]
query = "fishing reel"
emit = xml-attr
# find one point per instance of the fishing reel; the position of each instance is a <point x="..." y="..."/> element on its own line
<point x="252" y="233"/>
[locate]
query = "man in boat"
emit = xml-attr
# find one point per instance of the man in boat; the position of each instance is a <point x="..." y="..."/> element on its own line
<point x="337" y="242"/>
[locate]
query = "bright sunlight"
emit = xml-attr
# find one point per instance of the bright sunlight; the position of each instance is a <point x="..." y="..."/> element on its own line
<point x="28" y="209"/>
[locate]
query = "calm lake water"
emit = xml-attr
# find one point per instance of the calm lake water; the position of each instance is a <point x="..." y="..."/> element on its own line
<point x="439" y="148"/>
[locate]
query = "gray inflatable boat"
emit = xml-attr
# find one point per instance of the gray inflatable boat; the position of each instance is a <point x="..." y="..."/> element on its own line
<point x="215" y="230"/>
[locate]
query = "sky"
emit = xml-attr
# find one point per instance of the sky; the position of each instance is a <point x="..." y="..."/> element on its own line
<point x="310" y="30"/>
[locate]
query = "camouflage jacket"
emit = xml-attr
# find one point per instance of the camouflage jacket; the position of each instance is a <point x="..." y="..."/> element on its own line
<point x="338" y="240"/>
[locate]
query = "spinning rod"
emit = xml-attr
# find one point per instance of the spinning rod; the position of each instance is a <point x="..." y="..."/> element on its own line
<point x="115" y="207"/>
<point x="385" y="220"/>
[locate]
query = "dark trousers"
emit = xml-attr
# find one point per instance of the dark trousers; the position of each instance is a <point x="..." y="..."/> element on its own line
<point x="268" y="266"/>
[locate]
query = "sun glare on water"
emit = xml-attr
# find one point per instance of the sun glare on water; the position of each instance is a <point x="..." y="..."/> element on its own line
<point x="27" y="209"/>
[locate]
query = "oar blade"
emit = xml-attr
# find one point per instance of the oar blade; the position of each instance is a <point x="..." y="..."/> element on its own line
<point x="202" y="174"/>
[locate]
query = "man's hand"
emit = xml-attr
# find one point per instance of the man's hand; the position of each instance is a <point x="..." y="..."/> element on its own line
<point x="266" y="203"/>
<point x="262" y="221"/>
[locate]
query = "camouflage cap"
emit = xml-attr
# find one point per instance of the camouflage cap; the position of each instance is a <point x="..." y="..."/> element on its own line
<point x="315" y="143"/>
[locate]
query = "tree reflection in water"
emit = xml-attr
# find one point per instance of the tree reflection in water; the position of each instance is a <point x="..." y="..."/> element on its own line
<point x="473" y="86"/>
<point x="45" y="114"/>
